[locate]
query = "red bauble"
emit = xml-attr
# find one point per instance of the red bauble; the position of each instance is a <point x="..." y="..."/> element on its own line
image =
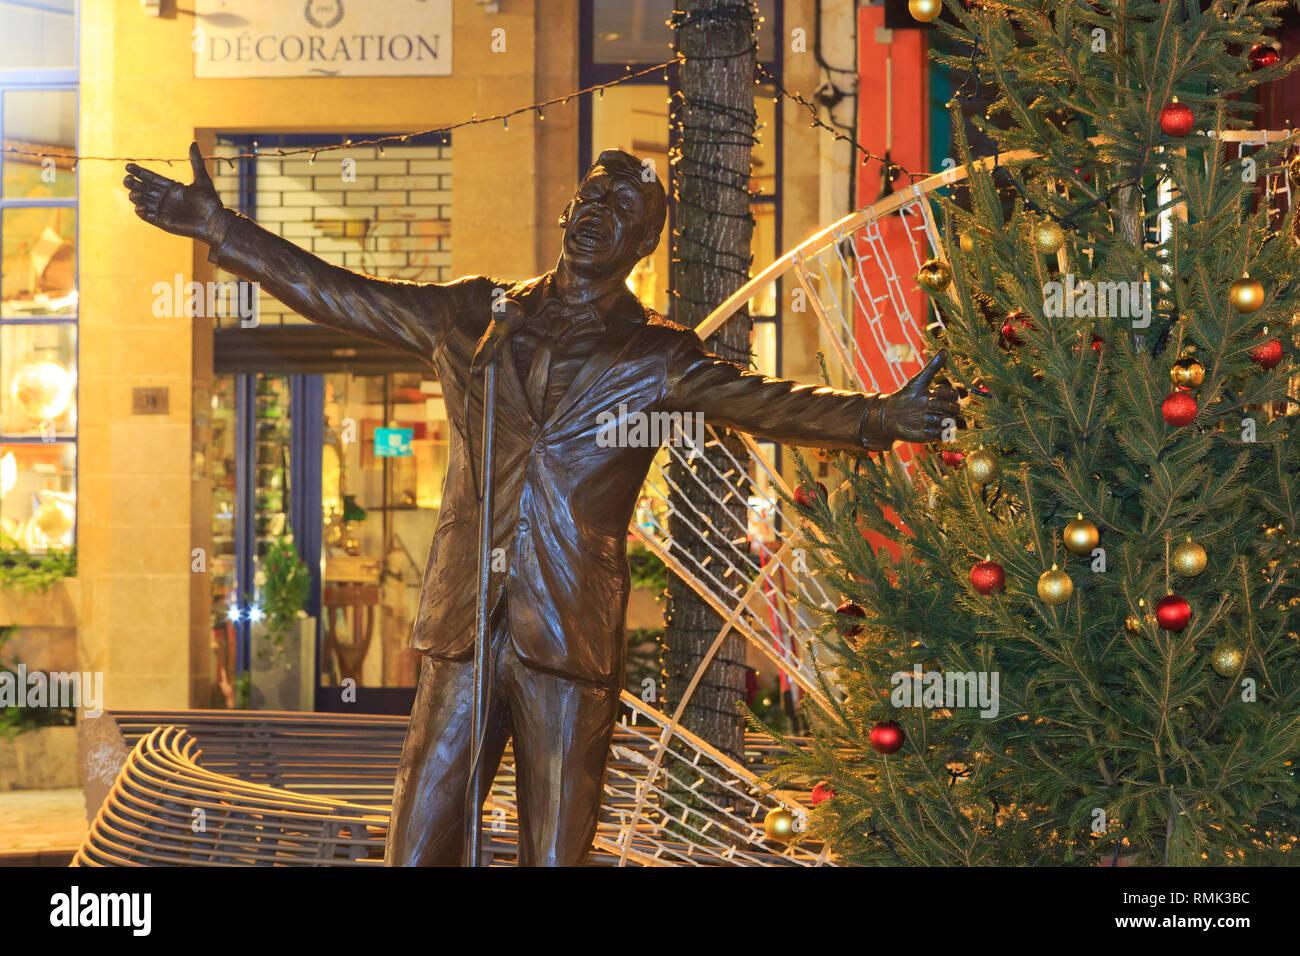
<point x="1176" y="119"/>
<point x="987" y="577"/>
<point x="1173" y="613"/>
<point x="849" y="609"/>
<point x="1262" y="56"/>
<point x="821" y="793"/>
<point x="1267" y="354"/>
<point x="804" y="496"/>
<point x="887" y="737"/>
<point x="953" y="459"/>
<point x="1016" y="321"/>
<point x="1179" y="408"/>
<point x="1096" y="342"/>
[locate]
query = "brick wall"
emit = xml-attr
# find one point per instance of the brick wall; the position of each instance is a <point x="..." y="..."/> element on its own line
<point x="390" y="216"/>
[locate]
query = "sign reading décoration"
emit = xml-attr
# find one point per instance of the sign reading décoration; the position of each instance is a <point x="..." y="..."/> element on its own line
<point x="250" y="38"/>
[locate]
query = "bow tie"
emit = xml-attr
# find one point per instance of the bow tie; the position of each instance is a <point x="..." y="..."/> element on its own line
<point x="562" y="315"/>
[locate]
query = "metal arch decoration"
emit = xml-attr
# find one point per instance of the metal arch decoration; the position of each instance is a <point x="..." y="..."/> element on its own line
<point x="838" y="269"/>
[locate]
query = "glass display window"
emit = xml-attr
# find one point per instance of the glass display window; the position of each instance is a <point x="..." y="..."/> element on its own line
<point x="37" y="495"/>
<point x="384" y="462"/>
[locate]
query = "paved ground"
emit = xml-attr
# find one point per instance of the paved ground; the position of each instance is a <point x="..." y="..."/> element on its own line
<point x="40" y="826"/>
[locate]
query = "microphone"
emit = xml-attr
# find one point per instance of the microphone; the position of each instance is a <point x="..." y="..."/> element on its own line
<point x="498" y="332"/>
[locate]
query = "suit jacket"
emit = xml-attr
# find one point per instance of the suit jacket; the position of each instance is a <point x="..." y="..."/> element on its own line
<point x="563" y="502"/>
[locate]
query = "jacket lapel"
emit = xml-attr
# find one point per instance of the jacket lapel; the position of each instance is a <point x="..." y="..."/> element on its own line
<point x="626" y="318"/>
<point x="530" y="296"/>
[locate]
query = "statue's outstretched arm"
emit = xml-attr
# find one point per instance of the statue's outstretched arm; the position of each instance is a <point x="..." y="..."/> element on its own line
<point x="404" y="315"/>
<point x="788" y="412"/>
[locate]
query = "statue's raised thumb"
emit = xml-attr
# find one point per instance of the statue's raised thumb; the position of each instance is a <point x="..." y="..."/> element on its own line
<point x="920" y="382"/>
<point x="201" y="176"/>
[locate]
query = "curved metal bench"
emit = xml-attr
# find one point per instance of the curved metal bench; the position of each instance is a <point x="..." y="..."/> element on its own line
<point x="166" y="809"/>
<point x="216" y="788"/>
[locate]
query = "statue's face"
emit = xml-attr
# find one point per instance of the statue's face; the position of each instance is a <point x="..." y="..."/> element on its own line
<point x="605" y="226"/>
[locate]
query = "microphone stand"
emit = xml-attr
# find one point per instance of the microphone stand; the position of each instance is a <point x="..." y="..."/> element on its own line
<point x="475" y="795"/>
<point x="486" y="358"/>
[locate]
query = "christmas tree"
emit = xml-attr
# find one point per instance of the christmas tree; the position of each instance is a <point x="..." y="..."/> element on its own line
<point x="1076" y="644"/>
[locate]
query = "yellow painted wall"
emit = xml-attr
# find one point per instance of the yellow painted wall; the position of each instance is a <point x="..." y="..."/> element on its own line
<point x="144" y="615"/>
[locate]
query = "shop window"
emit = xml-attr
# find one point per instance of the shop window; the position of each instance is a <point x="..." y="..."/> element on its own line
<point x="384" y="461"/>
<point x="637" y="31"/>
<point x="38" y="277"/>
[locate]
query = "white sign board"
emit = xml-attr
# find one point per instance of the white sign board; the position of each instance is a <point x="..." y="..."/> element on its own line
<point x="247" y="38"/>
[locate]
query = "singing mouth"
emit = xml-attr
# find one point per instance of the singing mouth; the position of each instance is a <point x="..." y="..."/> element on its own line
<point x="590" y="231"/>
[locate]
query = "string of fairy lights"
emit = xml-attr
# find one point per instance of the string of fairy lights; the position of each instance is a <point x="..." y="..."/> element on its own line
<point x="391" y="139"/>
<point x="891" y="168"/>
<point x="538" y="109"/>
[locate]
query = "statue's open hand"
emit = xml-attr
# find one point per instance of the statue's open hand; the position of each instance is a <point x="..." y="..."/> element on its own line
<point x="919" y="412"/>
<point x="175" y="207"/>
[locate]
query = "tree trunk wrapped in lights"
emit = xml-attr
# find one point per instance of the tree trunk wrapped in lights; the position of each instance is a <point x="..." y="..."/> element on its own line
<point x="715" y="119"/>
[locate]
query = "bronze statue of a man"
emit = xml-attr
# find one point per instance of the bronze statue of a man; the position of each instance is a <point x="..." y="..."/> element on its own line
<point x="586" y="348"/>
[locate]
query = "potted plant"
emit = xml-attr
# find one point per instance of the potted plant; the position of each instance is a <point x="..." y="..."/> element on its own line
<point x="276" y="678"/>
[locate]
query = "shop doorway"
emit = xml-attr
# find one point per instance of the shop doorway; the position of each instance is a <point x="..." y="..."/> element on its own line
<point x="325" y="437"/>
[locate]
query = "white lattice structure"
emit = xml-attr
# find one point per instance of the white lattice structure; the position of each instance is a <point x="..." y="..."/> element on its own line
<point x="857" y="278"/>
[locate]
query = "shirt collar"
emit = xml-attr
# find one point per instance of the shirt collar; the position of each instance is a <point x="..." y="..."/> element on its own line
<point x="623" y="306"/>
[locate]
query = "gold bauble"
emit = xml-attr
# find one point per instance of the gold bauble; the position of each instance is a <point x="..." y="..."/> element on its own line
<point x="1055" y="587"/>
<point x="1189" y="559"/>
<point x="1293" y="171"/>
<point x="1226" y="659"/>
<point x="1049" y="237"/>
<point x="1133" y="623"/>
<point x="1187" y="373"/>
<point x="778" y="824"/>
<point x="1246" y="294"/>
<point x="967" y="243"/>
<point x="983" y="467"/>
<point x="924" y="11"/>
<point x="1081" y="535"/>
<point x="934" y="275"/>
